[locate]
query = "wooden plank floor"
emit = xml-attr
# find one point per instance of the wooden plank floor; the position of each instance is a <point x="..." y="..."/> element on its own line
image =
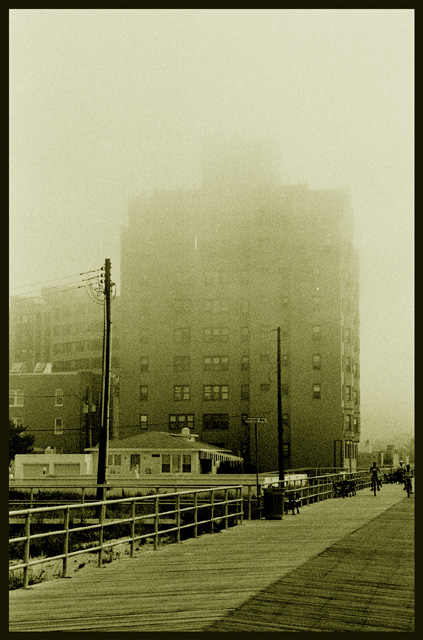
<point x="205" y="581"/>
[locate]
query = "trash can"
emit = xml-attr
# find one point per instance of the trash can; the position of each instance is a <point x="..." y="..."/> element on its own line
<point x="273" y="503"/>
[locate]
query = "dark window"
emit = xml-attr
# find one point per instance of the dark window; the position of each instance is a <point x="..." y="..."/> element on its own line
<point x="285" y="360"/>
<point x="165" y="463"/>
<point x="316" y="332"/>
<point x="347" y="365"/>
<point x="245" y="392"/>
<point x="285" y="419"/>
<point x="316" y="361"/>
<point x="143" y="392"/>
<point x="216" y="421"/>
<point x="182" y="306"/>
<point x="143" y="418"/>
<point x="143" y="363"/>
<point x="179" y="420"/>
<point x="216" y="334"/>
<point x="245" y="363"/>
<point x="285" y="389"/>
<point x="316" y="391"/>
<point x="265" y="387"/>
<point x="245" y="334"/>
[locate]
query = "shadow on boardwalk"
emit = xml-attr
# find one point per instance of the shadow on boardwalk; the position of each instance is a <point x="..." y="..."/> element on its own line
<point x="365" y="582"/>
<point x="343" y="564"/>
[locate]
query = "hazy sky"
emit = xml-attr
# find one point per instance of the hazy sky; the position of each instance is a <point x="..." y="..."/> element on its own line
<point x="105" y="104"/>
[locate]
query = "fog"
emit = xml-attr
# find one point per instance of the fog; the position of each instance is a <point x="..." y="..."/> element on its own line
<point x="106" y="104"/>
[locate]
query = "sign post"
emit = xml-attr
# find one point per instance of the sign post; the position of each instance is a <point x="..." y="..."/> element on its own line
<point x="256" y="421"/>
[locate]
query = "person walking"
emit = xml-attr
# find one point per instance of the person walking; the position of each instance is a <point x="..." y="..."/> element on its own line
<point x="375" y="474"/>
<point x="408" y="486"/>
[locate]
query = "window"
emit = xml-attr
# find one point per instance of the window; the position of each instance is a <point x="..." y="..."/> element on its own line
<point x="143" y="363"/>
<point x="285" y="389"/>
<point x="245" y="392"/>
<point x="348" y="393"/>
<point x="216" y="363"/>
<point x="179" y="420"/>
<point x="355" y="395"/>
<point x="186" y="463"/>
<point x="18" y="422"/>
<point x="355" y="423"/>
<point x="316" y="392"/>
<point x="181" y="392"/>
<point x="265" y="387"/>
<point x="347" y="365"/>
<point x="216" y="421"/>
<point x="58" y="426"/>
<point x="182" y="306"/>
<point x="183" y="334"/>
<point x="114" y="460"/>
<point x="165" y="463"/>
<point x="16" y="398"/>
<point x="285" y="419"/>
<point x="245" y="363"/>
<point x="215" y="392"/>
<point x="143" y="421"/>
<point x="181" y="363"/>
<point x="216" y="334"/>
<point x="58" y="398"/>
<point x="143" y="392"/>
<point x="348" y="421"/>
<point x="264" y="357"/>
<point x="316" y="361"/>
<point x="245" y="334"/>
<point x="285" y="360"/>
<point x="216" y="306"/>
<point x="355" y="369"/>
<point x="316" y="332"/>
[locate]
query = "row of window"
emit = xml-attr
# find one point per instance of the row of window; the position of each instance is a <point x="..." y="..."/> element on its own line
<point x="61" y="331"/>
<point x="82" y="345"/>
<point x="16" y="398"/>
<point x="169" y="463"/>
<point x="178" y="421"/>
<point x="221" y="334"/>
<point x="221" y="392"/>
<point x="82" y="364"/>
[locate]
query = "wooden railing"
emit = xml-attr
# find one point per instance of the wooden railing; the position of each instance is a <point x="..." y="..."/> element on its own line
<point x="167" y="512"/>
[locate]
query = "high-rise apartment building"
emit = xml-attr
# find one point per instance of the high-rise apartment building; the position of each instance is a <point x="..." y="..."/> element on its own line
<point x="207" y="277"/>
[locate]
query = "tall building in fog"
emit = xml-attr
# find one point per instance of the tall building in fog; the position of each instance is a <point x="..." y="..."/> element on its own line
<point x="207" y="277"/>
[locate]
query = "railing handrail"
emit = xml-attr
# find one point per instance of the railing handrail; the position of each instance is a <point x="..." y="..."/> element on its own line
<point x="99" y="503"/>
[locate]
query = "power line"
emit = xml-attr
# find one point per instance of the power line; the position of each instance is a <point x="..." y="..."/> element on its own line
<point x="74" y="275"/>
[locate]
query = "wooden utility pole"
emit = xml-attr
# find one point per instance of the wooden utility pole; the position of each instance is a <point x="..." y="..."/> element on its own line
<point x="280" y="419"/>
<point x="105" y="400"/>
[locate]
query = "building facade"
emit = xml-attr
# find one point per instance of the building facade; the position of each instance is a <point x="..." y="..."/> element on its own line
<point x="62" y="410"/>
<point x="62" y="326"/>
<point x="207" y="277"/>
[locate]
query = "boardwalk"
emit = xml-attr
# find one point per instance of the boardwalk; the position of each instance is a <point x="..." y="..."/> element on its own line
<point x="342" y="565"/>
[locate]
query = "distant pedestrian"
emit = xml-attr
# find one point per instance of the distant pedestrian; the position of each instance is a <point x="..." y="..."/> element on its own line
<point x="375" y="476"/>
<point x="407" y="480"/>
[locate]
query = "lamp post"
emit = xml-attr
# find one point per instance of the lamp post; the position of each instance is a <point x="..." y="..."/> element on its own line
<point x="280" y="419"/>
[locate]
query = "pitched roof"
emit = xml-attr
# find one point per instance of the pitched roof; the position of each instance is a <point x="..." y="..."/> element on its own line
<point x="161" y="440"/>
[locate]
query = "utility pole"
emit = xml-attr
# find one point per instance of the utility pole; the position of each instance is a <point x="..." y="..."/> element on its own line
<point x="280" y="419"/>
<point x="105" y="401"/>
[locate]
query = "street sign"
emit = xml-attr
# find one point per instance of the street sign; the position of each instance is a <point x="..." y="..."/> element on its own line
<point x="255" y="419"/>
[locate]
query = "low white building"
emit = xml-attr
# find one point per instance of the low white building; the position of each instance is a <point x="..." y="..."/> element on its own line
<point x="39" y="465"/>
<point x="163" y="453"/>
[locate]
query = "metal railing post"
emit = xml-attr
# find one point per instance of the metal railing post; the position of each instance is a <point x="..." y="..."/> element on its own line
<point x="240" y="506"/>
<point x="66" y="543"/>
<point x="178" y="518"/>
<point x="27" y="554"/>
<point x="249" y="502"/>
<point x="195" y="514"/>
<point x="133" y="529"/>
<point x="156" y="521"/>
<point x="31" y="498"/>
<point x="226" y="507"/>
<point x="102" y="517"/>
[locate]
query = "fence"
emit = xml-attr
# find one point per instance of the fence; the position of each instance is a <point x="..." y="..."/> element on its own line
<point x="191" y="509"/>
